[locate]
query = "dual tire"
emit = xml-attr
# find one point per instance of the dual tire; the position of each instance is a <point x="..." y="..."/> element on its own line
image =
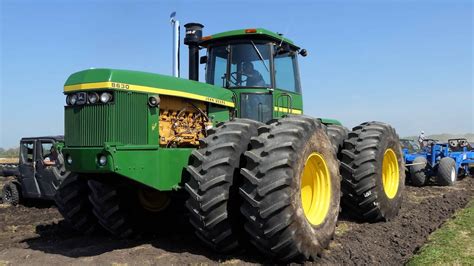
<point x="288" y="179"/>
<point x="290" y="195"/>
<point x="121" y="208"/>
<point x="373" y="172"/>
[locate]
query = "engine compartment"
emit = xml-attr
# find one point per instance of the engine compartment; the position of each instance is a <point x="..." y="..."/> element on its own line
<point x="182" y="122"/>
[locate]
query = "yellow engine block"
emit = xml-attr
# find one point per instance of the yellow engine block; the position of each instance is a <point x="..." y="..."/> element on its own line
<point x="182" y="122"/>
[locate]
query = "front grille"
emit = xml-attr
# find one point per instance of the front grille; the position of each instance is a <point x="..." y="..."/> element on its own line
<point x="124" y="121"/>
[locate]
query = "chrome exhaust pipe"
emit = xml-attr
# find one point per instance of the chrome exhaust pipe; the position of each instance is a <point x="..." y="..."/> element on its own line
<point x="175" y="25"/>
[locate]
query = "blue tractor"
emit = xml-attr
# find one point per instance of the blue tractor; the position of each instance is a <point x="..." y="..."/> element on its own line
<point x="444" y="161"/>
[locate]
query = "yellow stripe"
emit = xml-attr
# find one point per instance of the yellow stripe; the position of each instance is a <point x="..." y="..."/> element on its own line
<point x="285" y="110"/>
<point x="138" y="88"/>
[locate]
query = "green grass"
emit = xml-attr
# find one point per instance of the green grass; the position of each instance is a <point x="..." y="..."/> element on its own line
<point x="452" y="244"/>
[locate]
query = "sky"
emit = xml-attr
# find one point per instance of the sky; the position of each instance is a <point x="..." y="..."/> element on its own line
<point x="407" y="63"/>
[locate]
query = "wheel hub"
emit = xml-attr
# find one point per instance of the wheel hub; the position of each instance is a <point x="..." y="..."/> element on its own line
<point x="453" y="175"/>
<point x="315" y="189"/>
<point x="390" y="173"/>
<point x="152" y="200"/>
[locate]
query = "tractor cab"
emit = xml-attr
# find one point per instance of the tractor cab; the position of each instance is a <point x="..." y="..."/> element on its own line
<point x="260" y="67"/>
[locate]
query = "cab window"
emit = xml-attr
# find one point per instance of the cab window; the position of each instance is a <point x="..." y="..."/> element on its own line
<point x="27" y="150"/>
<point x="286" y="72"/>
<point x="217" y="66"/>
<point x="46" y="149"/>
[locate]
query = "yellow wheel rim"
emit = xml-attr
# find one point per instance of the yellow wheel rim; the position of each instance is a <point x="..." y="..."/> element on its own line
<point x="390" y="173"/>
<point x="315" y="189"/>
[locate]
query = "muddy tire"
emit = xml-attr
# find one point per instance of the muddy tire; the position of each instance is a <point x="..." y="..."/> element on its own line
<point x="372" y="152"/>
<point x="126" y="209"/>
<point x="418" y="175"/>
<point x="11" y="194"/>
<point x="284" y="166"/>
<point x="112" y="212"/>
<point x="337" y="134"/>
<point x="446" y="174"/>
<point x="214" y="202"/>
<point x="59" y="170"/>
<point x="72" y="202"/>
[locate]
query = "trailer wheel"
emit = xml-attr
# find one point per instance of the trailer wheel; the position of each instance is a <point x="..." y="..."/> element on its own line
<point x="418" y="172"/>
<point x="214" y="201"/>
<point x="373" y="172"/>
<point x="72" y="201"/>
<point x="11" y="194"/>
<point x="337" y="134"/>
<point x="291" y="189"/>
<point x="446" y="174"/>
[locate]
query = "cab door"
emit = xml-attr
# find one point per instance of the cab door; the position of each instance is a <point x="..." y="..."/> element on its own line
<point x="45" y="177"/>
<point x="287" y="93"/>
<point x="256" y="106"/>
<point x="27" y="169"/>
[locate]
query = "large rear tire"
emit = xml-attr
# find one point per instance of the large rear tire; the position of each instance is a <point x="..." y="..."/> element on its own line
<point x="72" y="201"/>
<point x="292" y="189"/>
<point x="337" y="134"/>
<point x="373" y="172"/>
<point x="446" y="174"/>
<point x="418" y="175"/>
<point x="214" y="201"/>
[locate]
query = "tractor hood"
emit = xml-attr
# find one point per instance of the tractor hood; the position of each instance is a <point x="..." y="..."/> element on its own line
<point x="125" y="80"/>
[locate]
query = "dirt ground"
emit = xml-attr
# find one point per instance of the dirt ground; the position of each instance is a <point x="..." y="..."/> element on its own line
<point x="9" y="160"/>
<point x="37" y="235"/>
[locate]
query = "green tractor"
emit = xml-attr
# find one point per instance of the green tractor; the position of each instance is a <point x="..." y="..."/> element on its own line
<point x="234" y="155"/>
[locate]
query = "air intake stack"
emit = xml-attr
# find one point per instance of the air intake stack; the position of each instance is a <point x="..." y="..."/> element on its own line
<point x="192" y="38"/>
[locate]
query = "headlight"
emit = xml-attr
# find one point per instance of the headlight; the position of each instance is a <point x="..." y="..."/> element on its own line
<point x="93" y="97"/>
<point x="68" y="99"/>
<point x="69" y="159"/>
<point x="73" y="99"/>
<point x="105" y="97"/>
<point x="103" y="160"/>
<point x="153" y="101"/>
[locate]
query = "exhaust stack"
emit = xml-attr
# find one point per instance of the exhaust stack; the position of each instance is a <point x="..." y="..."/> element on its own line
<point x="175" y="25"/>
<point x="192" y="38"/>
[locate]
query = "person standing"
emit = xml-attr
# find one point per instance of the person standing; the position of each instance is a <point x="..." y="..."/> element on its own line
<point x="421" y="138"/>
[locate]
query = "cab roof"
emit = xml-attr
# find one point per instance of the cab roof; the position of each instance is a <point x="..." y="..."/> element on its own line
<point x="257" y="33"/>
<point x="56" y="138"/>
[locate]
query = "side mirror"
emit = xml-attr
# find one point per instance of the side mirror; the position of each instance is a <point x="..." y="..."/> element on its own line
<point x="203" y="59"/>
<point x="303" y="52"/>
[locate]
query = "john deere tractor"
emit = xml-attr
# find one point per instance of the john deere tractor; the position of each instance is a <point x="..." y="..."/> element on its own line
<point x="233" y="154"/>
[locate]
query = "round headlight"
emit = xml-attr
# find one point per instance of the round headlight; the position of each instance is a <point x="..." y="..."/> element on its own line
<point x="93" y="97"/>
<point x="68" y="99"/>
<point x="153" y="101"/>
<point x="105" y="97"/>
<point x="73" y="99"/>
<point x="69" y="159"/>
<point x="103" y="160"/>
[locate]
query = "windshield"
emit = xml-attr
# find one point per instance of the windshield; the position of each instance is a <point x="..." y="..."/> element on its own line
<point x="249" y="65"/>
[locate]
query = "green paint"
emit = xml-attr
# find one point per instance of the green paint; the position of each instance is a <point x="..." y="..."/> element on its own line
<point x="218" y="114"/>
<point x="236" y="34"/>
<point x="148" y="164"/>
<point x="149" y="80"/>
<point x="329" y="121"/>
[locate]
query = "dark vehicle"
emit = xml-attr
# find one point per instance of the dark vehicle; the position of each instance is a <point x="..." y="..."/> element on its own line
<point x="40" y="170"/>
